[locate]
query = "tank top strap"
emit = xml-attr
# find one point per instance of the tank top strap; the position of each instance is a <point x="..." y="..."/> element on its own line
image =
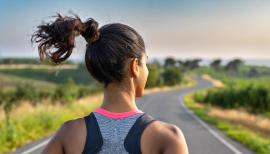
<point x="133" y="138"/>
<point x="94" y="139"/>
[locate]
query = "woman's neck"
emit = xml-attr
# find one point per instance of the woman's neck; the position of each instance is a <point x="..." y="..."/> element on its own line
<point x="119" y="99"/>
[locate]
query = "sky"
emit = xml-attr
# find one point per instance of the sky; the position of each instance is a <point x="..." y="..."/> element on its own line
<point x="183" y="29"/>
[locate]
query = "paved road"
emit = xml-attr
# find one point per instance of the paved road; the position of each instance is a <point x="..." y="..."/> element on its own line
<point x="168" y="106"/>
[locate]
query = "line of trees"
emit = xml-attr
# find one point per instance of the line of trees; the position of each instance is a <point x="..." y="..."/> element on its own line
<point x="232" y="67"/>
<point x="182" y="65"/>
<point x="170" y="72"/>
<point x="167" y="76"/>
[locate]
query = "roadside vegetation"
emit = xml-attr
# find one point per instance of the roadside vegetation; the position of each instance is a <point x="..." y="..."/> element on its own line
<point x="35" y="102"/>
<point x="253" y="139"/>
<point x="239" y="105"/>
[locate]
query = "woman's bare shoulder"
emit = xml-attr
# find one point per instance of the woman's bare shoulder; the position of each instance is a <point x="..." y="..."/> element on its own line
<point x="70" y="125"/>
<point x="169" y="137"/>
<point x="74" y="129"/>
<point x="71" y="133"/>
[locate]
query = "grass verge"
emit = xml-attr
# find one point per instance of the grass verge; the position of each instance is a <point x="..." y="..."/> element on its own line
<point x="254" y="141"/>
<point x="24" y="127"/>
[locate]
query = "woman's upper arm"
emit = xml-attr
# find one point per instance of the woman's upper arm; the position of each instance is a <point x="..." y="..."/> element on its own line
<point x="174" y="141"/>
<point x="55" y="145"/>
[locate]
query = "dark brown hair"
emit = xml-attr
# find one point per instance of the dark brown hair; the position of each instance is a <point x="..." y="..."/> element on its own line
<point x="107" y="50"/>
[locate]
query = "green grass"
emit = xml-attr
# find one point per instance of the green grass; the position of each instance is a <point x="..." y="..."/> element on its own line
<point x="252" y="140"/>
<point x="80" y="75"/>
<point x="244" y="71"/>
<point x="9" y="82"/>
<point x="237" y="81"/>
<point x="244" y="82"/>
<point x="44" y="120"/>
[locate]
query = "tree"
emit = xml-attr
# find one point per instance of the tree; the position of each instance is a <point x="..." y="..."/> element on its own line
<point x="169" y="61"/>
<point x="172" y="76"/>
<point x="216" y="64"/>
<point x="194" y="63"/>
<point x="189" y="64"/>
<point x="233" y="66"/>
<point x="253" y="72"/>
<point x="181" y="65"/>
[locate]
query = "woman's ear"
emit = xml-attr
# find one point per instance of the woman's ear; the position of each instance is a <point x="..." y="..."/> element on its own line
<point x="134" y="67"/>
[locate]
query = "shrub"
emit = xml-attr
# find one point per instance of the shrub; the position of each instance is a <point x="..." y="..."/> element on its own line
<point x="66" y="93"/>
<point x="154" y="75"/>
<point x="172" y="76"/>
<point x="254" y="99"/>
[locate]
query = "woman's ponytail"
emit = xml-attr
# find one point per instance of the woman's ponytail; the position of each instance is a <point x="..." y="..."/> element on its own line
<point x="60" y="35"/>
<point x="91" y="32"/>
<point x="107" y="52"/>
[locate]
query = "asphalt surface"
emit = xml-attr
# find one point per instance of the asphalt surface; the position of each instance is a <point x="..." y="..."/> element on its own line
<point x="168" y="106"/>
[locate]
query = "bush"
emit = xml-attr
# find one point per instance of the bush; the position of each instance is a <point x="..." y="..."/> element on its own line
<point x="27" y="92"/>
<point x="1" y="96"/>
<point x="154" y="75"/>
<point x="86" y="91"/>
<point x="67" y="93"/>
<point x="172" y="76"/>
<point x="254" y="99"/>
<point x="7" y="100"/>
<point x="199" y="96"/>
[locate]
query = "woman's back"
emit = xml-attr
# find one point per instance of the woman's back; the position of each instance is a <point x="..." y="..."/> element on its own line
<point x="107" y="132"/>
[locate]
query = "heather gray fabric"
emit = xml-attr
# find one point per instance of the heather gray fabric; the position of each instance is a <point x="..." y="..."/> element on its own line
<point x="114" y="132"/>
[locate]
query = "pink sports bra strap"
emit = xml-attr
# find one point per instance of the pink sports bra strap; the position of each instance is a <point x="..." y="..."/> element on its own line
<point x="116" y="114"/>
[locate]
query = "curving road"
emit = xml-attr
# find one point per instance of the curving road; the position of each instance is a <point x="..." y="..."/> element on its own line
<point x="168" y="106"/>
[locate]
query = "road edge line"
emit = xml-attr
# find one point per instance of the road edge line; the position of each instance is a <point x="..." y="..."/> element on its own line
<point x="209" y="129"/>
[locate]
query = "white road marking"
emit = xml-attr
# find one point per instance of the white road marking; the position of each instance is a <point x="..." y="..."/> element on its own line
<point x="36" y="147"/>
<point x="210" y="130"/>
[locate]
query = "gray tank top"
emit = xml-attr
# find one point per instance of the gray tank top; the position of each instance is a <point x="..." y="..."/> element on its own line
<point x="117" y="133"/>
<point x="114" y="132"/>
